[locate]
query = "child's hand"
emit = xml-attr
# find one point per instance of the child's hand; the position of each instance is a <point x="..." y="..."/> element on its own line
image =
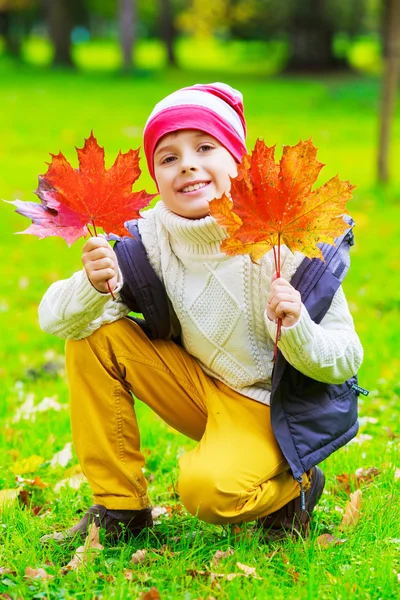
<point x="100" y="263"/>
<point x="283" y="302"/>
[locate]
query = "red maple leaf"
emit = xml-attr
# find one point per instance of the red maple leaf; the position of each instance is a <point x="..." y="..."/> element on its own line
<point x="273" y="204"/>
<point x="72" y="199"/>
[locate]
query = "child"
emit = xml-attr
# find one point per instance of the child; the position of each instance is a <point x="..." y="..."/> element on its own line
<point x="215" y="387"/>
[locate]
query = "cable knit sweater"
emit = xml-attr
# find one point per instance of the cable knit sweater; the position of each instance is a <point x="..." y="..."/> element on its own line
<point x="220" y="302"/>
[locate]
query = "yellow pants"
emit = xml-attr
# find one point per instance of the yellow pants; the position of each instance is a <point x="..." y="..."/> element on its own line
<point x="235" y="473"/>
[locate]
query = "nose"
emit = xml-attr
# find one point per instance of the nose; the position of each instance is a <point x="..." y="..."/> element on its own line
<point x="187" y="169"/>
<point x="188" y="161"/>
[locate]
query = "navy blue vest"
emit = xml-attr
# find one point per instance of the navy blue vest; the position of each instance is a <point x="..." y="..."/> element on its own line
<point x="310" y="419"/>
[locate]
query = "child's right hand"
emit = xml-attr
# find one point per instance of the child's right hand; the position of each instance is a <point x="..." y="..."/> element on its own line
<point x="100" y="263"/>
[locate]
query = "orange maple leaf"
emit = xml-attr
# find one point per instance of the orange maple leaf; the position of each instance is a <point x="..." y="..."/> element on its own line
<point x="72" y="199"/>
<point x="273" y="204"/>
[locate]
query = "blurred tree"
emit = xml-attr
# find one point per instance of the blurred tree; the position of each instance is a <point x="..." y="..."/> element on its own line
<point x="127" y="18"/>
<point x="168" y="29"/>
<point x="312" y="27"/>
<point x="62" y="16"/>
<point x="203" y="20"/>
<point x="391" y="35"/>
<point x="16" y="18"/>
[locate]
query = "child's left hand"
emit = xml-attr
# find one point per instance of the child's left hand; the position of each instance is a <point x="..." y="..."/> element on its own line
<point x="283" y="302"/>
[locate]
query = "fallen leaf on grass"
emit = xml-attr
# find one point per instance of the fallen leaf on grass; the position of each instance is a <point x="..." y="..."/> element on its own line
<point x="8" y="496"/>
<point x="152" y="594"/>
<point x="139" y="576"/>
<point x="366" y="475"/>
<point x="139" y="556"/>
<point x="248" y="571"/>
<point x="352" y="511"/>
<point x="219" y="555"/>
<point x="37" y="574"/>
<point x="354" y="480"/>
<point x="36" y="482"/>
<point x="73" y="482"/>
<point x="84" y="554"/>
<point x="327" y="539"/>
<point x="106" y="577"/>
<point x="157" y="511"/>
<point x="214" y="577"/>
<point x="27" y="465"/>
<point x="6" y="571"/>
<point x="63" y="457"/>
<point x="291" y="570"/>
<point x="28" y="409"/>
<point x="391" y="434"/>
<point x="360" y="439"/>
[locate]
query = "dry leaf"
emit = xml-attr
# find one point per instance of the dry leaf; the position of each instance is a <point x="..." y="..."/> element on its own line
<point x="27" y="465"/>
<point x="63" y="457"/>
<point x="86" y="552"/>
<point x="6" y="571"/>
<point x="219" y="555"/>
<point x="37" y="574"/>
<point x="327" y="539"/>
<point x="366" y="475"/>
<point x="249" y="571"/>
<point x="157" y="511"/>
<point x="36" y="482"/>
<point x="73" y="482"/>
<point x="344" y="481"/>
<point x="352" y="511"/>
<point x="139" y="556"/>
<point x="8" y="496"/>
<point x="152" y="594"/>
<point x="291" y="570"/>
<point x="391" y="434"/>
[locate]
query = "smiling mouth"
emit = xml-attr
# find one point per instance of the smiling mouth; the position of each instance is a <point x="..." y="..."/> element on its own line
<point x="194" y="187"/>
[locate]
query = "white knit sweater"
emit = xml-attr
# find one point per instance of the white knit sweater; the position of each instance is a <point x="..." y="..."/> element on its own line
<point x="220" y="302"/>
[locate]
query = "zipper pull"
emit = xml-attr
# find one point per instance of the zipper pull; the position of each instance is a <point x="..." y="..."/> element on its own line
<point x="360" y="390"/>
<point x="302" y="494"/>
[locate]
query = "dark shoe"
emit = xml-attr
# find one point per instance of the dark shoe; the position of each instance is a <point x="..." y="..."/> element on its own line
<point x="291" y="518"/>
<point x="118" y="524"/>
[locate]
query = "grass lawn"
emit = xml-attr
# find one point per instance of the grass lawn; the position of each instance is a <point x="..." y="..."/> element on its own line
<point x="44" y="111"/>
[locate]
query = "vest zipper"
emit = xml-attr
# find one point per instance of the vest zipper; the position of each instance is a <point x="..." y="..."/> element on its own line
<point x="302" y="493"/>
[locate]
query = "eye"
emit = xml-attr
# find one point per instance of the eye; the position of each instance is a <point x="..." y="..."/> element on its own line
<point x="206" y="147"/>
<point x="168" y="159"/>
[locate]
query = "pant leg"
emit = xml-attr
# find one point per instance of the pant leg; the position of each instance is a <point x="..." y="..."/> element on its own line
<point x="102" y="370"/>
<point x="237" y="472"/>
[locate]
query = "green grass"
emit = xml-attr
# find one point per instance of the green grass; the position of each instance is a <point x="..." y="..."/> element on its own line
<point x="44" y="112"/>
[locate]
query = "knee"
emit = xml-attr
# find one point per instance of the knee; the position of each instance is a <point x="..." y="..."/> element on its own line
<point x="203" y="495"/>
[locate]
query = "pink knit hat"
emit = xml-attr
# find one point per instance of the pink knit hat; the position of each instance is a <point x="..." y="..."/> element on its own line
<point x="215" y="108"/>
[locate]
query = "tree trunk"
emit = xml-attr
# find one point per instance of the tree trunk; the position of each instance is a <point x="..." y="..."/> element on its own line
<point x="168" y="31"/>
<point x="311" y="37"/>
<point x="60" y="27"/>
<point x="389" y="85"/>
<point x="127" y="17"/>
<point x="11" y="40"/>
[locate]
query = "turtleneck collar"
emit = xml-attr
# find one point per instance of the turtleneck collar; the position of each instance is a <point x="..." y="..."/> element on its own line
<point x="202" y="236"/>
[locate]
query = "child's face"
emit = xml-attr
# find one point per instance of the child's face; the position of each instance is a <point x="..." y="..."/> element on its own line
<point x="191" y="159"/>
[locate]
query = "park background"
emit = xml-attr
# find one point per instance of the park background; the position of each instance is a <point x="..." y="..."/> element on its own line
<point x="326" y="69"/>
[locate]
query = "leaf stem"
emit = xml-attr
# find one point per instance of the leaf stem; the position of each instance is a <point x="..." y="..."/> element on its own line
<point x="278" y="274"/>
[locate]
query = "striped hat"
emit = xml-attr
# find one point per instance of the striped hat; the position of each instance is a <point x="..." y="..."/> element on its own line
<point x="215" y="108"/>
